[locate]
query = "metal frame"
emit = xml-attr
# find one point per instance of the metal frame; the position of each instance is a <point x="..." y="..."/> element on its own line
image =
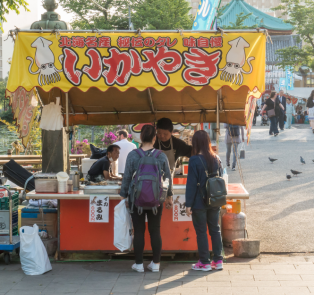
<point x="138" y="32"/>
<point x="156" y="112"/>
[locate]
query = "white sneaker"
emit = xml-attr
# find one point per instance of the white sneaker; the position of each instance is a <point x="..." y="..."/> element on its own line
<point x="153" y="267"/>
<point x="138" y="267"/>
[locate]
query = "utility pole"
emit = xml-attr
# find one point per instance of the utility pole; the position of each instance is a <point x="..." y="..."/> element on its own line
<point x="131" y="27"/>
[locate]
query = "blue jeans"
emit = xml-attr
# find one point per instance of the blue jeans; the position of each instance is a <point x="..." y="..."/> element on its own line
<point x="203" y="218"/>
<point x="230" y="149"/>
<point x="273" y="125"/>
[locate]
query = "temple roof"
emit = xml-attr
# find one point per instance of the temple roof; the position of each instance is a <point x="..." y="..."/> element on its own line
<point x="259" y="18"/>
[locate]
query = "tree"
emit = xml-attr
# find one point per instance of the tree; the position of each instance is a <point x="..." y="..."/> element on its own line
<point x="7" y="5"/>
<point x="113" y="14"/>
<point x="300" y="15"/>
<point x="99" y="14"/>
<point x="162" y="15"/>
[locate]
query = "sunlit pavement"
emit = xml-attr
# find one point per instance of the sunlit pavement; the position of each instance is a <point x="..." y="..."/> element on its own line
<point x="264" y="275"/>
<point x="280" y="212"/>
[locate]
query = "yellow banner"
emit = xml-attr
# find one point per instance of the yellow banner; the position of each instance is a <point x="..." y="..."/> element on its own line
<point x="125" y="60"/>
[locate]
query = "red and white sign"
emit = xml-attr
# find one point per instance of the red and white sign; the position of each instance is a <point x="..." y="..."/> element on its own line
<point x="179" y="209"/>
<point x="99" y="208"/>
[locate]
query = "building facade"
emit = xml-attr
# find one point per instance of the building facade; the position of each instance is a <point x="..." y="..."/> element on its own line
<point x="263" y="5"/>
<point x="194" y="5"/>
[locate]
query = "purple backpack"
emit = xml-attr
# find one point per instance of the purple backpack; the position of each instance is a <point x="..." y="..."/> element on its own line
<point x="147" y="184"/>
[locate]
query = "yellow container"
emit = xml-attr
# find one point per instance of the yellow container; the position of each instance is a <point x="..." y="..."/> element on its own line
<point x="236" y="208"/>
<point x="20" y="219"/>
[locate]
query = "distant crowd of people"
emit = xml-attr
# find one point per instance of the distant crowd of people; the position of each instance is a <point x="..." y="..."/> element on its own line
<point x="280" y="111"/>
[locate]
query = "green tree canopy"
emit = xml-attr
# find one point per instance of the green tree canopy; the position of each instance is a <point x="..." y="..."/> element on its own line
<point x="300" y="15"/>
<point x="163" y="15"/>
<point x="7" y="5"/>
<point x="113" y="14"/>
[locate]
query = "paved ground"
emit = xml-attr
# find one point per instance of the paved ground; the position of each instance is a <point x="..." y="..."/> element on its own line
<point x="265" y="275"/>
<point x="280" y="212"/>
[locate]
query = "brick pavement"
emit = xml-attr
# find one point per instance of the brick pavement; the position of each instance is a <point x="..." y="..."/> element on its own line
<point x="264" y="275"/>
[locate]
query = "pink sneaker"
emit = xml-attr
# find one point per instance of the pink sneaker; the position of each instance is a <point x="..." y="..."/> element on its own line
<point x="217" y="265"/>
<point x="200" y="266"/>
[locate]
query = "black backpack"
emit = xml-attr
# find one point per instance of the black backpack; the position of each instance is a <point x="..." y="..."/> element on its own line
<point x="216" y="191"/>
<point x="234" y="130"/>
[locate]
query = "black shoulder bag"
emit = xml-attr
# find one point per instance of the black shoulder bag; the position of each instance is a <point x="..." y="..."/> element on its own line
<point x="216" y="191"/>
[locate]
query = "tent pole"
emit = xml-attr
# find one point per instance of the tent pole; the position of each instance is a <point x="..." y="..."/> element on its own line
<point x="218" y="121"/>
<point x="67" y="110"/>
<point x="67" y="131"/>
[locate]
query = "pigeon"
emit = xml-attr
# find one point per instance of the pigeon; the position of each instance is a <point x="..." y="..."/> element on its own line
<point x="288" y="176"/>
<point x="295" y="172"/>
<point x="272" y="160"/>
<point x="313" y="160"/>
<point x="302" y="160"/>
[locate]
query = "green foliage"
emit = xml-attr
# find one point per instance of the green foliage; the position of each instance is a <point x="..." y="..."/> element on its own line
<point x="113" y="14"/>
<point x="99" y="14"/>
<point x="7" y="5"/>
<point x="301" y="17"/>
<point x="239" y="24"/>
<point x="163" y="15"/>
<point x="7" y="115"/>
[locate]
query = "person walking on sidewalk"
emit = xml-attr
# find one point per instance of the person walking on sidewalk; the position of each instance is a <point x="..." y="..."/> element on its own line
<point x="273" y="106"/>
<point x="310" y="110"/>
<point x="148" y="138"/>
<point x="281" y="114"/>
<point x="232" y="140"/>
<point x="289" y="113"/>
<point x="203" y="216"/>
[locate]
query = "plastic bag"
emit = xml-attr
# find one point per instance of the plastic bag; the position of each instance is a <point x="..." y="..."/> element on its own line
<point x="33" y="254"/>
<point x="242" y="151"/>
<point x="123" y="228"/>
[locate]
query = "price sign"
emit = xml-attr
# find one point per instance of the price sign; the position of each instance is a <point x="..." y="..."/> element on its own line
<point x="99" y="208"/>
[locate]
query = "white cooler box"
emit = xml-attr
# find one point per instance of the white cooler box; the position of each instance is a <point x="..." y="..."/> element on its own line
<point x="86" y="164"/>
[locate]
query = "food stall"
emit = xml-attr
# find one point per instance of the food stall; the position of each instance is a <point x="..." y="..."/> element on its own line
<point x="131" y="77"/>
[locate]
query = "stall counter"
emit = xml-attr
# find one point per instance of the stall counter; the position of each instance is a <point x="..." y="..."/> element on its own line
<point x="77" y="234"/>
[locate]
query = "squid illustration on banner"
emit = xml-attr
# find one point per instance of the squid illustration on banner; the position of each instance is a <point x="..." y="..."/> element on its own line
<point x="125" y="60"/>
<point x="24" y="105"/>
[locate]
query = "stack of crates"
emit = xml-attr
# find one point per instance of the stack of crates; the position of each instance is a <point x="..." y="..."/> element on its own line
<point x="5" y="215"/>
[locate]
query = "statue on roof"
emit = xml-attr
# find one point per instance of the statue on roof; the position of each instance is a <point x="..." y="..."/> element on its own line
<point x="50" y="19"/>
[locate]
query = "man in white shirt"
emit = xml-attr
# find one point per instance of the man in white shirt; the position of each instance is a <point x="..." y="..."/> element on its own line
<point x="125" y="148"/>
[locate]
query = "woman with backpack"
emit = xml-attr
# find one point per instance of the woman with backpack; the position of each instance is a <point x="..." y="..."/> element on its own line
<point x="203" y="215"/>
<point x="142" y="165"/>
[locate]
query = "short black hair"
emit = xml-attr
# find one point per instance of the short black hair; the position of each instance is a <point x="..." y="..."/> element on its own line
<point x="123" y="132"/>
<point x="111" y="148"/>
<point x="165" y="124"/>
<point x="148" y="133"/>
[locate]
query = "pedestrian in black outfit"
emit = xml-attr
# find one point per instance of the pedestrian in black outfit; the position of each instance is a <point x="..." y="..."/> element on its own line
<point x="281" y="114"/>
<point x="272" y="103"/>
<point x="148" y="138"/>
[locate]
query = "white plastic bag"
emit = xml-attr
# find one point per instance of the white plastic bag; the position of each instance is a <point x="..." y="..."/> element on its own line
<point x="33" y="254"/>
<point x="123" y="229"/>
